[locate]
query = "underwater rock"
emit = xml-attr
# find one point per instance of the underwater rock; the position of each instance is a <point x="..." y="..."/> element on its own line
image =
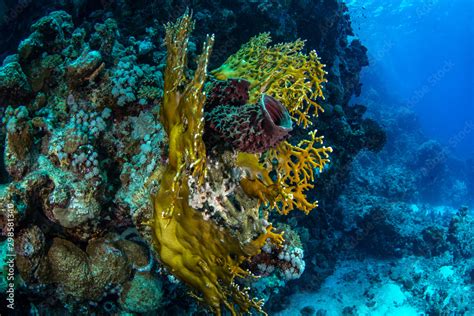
<point x="138" y="256"/>
<point x="430" y="282"/>
<point x="142" y="294"/>
<point x="41" y="70"/>
<point x="108" y="265"/>
<point x="141" y="151"/>
<point x="84" y="66"/>
<point x="53" y="30"/>
<point x="30" y="46"/>
<point x="433" y="241"/>
<point x="30" y="247"/>
<point x="17" y="197"/>
<point x="14" y="86"/>
<point x="104" y="38"/>
<point x="222" y="199"/>
<point x="430" y="160"/>
<point x="375" y="137"/>
<point x="69" y="268"/>
<point x="49" y="34"/>
<point x="88" y="275"/>
<point x="460" y="234"/>
<point x="409" y="285"/>
<point x="70" y="203"/>
<point x="18" y="141"/>
<point x="308" y="311"/>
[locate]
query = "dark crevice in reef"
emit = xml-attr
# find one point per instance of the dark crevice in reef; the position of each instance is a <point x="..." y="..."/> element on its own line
<point x="4" y="176"/>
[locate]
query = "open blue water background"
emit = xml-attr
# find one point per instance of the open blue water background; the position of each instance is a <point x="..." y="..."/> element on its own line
<point x="421" y="55"/>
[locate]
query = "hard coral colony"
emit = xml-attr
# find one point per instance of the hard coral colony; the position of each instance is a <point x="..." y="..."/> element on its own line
<point x="213" y="149"/>
<point x="196" y="249"/>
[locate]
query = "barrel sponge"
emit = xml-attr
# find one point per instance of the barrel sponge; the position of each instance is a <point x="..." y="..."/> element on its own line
<point x="252" y="128"/>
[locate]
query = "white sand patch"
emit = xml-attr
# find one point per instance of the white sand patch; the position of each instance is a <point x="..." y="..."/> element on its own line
<point x="353" y="288"/>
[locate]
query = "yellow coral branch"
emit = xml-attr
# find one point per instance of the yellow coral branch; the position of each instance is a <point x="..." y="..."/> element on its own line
<point x="196" y="250"/>
<point x="295" y="173"/>
<point x="281" y="71"/>
<point x="295" y="79"/>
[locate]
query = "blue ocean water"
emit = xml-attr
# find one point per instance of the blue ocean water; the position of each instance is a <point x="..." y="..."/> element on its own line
<point x="393" y="232"/>
<point x="422" y="54"/>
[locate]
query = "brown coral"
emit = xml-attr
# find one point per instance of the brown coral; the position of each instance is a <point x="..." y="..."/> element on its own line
<point x="88" y="274"/>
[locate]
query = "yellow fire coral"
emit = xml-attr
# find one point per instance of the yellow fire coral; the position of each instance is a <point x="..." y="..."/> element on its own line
<point x="281" y="71"/>
<point x="295" y="169"/>
<point x="194" y="249"/>
<point x="294" y="79"/>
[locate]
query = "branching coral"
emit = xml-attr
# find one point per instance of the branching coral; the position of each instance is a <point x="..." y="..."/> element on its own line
<point x="281" y="71"/>
<point x="195" y="250"/>
<point x="295" y="171"/>
<point x="294" y="79"/>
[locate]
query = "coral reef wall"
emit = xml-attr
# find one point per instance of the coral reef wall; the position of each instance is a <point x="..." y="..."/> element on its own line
<point x="79" y="92"/>
<point x="232" y="22"/>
